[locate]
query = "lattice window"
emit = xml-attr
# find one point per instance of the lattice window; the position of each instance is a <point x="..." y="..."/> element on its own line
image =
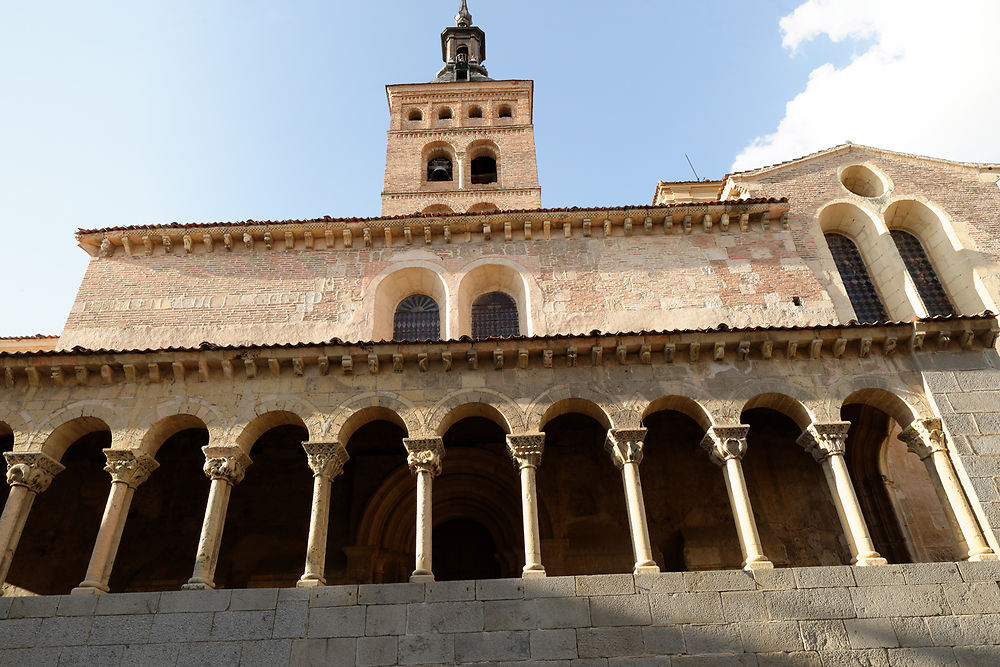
<point x="417" y="318"/>
<point x="919" y="266"/>
<point x="867" y="304"/>
<point x="494" y="315"/>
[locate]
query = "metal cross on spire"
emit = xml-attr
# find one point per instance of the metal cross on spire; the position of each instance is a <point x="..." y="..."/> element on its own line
<point x="463" y="19"/>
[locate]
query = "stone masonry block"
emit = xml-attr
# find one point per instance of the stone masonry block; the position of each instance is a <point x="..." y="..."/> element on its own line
<point x="891" y="601"/>
<point x="977" y="656"/>
<point x="942" y="381"/>
<point x="426" y="649"/>
<point x="869" y="657"/>
<point x="37" y="606"/>
<point x="912" y="632"/>
<point x="510" y="615"/>
<point x="661" y="582"/>
<point x="987" y="422"/>
<point x="713" y="638"/>
<point x="385" y="619"/>
<point x="550" y="587"/>
<point x="744" y="606"/>
<point x="450" y="591"/>
<point x="336" y="622"/>
<point x="719" y="580"/>
<point x="774" y="580"/>
<point x="323" y="652"/>
<point x="871" y="633"/>
<point x="824" y="636"/>
<point x="492" y="646"/>
<point x="552" y="644"/>
<point x="64" y="631"/>
<point x="985" y="445"/>
<point x="75" y="605"/>
<point x="150" y="655"/>
<point x="120" y="629"/>
<point x="981" y="597"/>
<point x="960" y="424"/>
<point x="5" y="603"/>
<point x="19" y="632"/>
<point x="609" y="642"/>
<point x="243" y="625"/>
<point x="980" y="571"/>
<point x="181" y="628"/>
<point x="266" y="652"/>
<point x="178" y="601"/>
<point x="499" y="589"/>
<point x="127" y="603"/>
<point x="444" y="617"/>
<point x="771" y="637"/>
<point x="254" y="598"/>
<point x="959" y="631"/>
<point x="985" y="488"/>
<point x="293" y="594"/>
<point x="88" y="656"/>
<point x="373" y="651"/>
<point x="673" y="608"/>
<point x="618" y="610"/>
<point x="824" y="577"/>
<point x="794" y="659"/>
<point x="883" y="575"/>
<point x="31" y="657"/>
<point x="562" y="612"/>
<point x="663" y="640"/>
<point x="605" y="584"/>
<point x="814" y="603"/>
<point x="208" y="653"/>
<point x="714" y="659"/>
<point x="390" y="593"/>
<point x="290" y="619"/>
<point x="336" y="596"/>
<point x="974" y="401"/>
<point x="921" y="657"/>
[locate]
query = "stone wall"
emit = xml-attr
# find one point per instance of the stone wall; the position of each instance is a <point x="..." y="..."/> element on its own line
<point x="929" y="614"/>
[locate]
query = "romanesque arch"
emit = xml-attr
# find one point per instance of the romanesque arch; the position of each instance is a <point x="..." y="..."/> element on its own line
<point x="402" y="280"/>
<point x="496" y="274"/>
<point x="370" y="406"/>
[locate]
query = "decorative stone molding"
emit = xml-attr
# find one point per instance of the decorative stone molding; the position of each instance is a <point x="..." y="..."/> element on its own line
<point x="32" y="470"/>
<point x="424" y="454"/>
<point x="326" y="459"/>
<point x="824" y="439"/>
<point x="526" y="449"/>
<point x="726" y="442"/>
<point x="625" y="445"/>
<point x="227" y="463"/>
<point x="923" y="437"/>
<point x="129" y="466"/>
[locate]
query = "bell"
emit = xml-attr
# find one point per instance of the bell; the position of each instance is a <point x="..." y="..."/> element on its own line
<point x="440" y="173"/>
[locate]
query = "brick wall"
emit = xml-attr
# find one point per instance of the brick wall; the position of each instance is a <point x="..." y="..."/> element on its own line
<point x="940" y="613"/>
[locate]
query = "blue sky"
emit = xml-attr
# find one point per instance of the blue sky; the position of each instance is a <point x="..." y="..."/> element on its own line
<point x="147" y="112"/>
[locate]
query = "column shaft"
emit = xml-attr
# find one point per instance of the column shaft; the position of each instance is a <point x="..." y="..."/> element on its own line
<point x="425" y="524"/>
<point x="319" y="522"/>
<point x="109" y="537"/>
<point x="15" y="515"/>
<point x="746" y="526"/>
<point x="947" y="478"/>
<point x="207" y="558"/>
<point x="529" y="516"/>
<point x="637" y="518"/>
<point x="849" y="509"/>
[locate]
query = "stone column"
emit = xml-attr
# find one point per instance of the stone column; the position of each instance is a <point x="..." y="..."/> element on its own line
<point x="726" y="445"/>
<point x="225" y="466"/>
<point x="28" y="473"/>
<point x="424" y="459"/>
<point x="128" y="469"/>
<point x="625" y="447"/>
<point x="925" y="438"/>
<point x="526" y="452"/>
<point x="825" y="441"/>
<point x="326" y="459"/>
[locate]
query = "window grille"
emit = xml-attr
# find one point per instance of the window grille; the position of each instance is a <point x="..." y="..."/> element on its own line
<point x="417" y="318"/>
<point x="919" y="266"/>
<point x="494" y="315"/>
<point x="867" y="304"/>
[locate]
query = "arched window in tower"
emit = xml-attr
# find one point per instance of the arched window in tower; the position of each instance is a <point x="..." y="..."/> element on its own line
<point x="415" y="114"/>
<point x="922" y="271"/>
<point x="476" y="112"/>
<point x="463" y="53"/>
<point x="439" y="169"/>
<point x="505" y="111"/>
<point x="494" y="315"/>
<point x="417" y="318"/>
<point x="867" y="304"/>
<point x="484" y="170"/>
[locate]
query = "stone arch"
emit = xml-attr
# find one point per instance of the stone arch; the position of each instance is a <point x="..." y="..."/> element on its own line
<point x="364" y="408"/>
<point x="438" y="150"/>
<point x="954" y="264"/>
<point x="213" y="418"/>
<point x="866" y="229"/>
<point x="606" y="409"/>
<point x="437" y="209"/>
<point x="483" y="207"/>
<point x="66" y="426"/>
<point x="684" y="405"/>
<point x="400" y="281"/>
<point x="495" y="274"/>
<point x="484" y="150"/>
<point x="580" y="405"/>
<point x="17" y="427"/>
<point x="885" y="400"/>
<point x="786" y="405"/>
<point x="864" y="179"/>
<point x="264" y="422"/>
<point x="166" y="428"/>
<point x="498" y="408"/>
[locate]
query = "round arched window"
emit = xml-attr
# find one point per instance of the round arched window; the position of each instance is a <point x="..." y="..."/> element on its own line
<point x="417" y="318"/>
<point x="494" y="315"/>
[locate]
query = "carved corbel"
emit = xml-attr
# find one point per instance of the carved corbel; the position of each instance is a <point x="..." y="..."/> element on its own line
<point x="408" y="235"/>
<point x="627" y="227"/>
<point x="106" y="249"/>
<point x="366" y="234"/>
<point x="645" y="354"/>
<point x="289" y="241"/>
<point x="323" y="363"/>
<point x="596" y="353"/>
<point x="423" y="362"/>
<point x="81" y="374"/>
<point x="428" y="237"/>
<point x="719" y="352"/>
<point x="248" y="240"/>
<point x="839" y="347"/>
<point x="586" y="227"/>
<point x="724" y="222"/>
<point x="397" y="363"/>
<point x="373" y="363"/>
<point x="179" y="371"/>
<point x="765" y="221"/>
<point x="547" y="358"/>
<point x="743" y="354"/>
<point x="792" y="350"/>
<point x="668" y="224"/>
<point x="446" y="361"/>
<point x="127" y="245"/>
<point x="268" y="240"/>
<point x="621" y="354"/>
<point x="522" y="358"/>
<point x="227" y="241"/>
<point x="274" y="366"/>
<point x="669" y="351"/>
<point x="498" y="359"/>
<point x="917" y="340"/>
<point x="348" y="239"/>
<point x="307" y="238"/>
<point x="487" y="232"/>
<point x="508" y="233"/>
<point x="890" y="345"/>
<point x="203" y="370"/>
<point x="694" y="351"/>
<point x="447" y="233"/>
<point x="298" y="366"/>
<point x="472" y="359"/>
<point x="647" y="225"/>
<point x="571" y="356"/>
<point x="206" y="240"/>
<point x="57" y="376"/>
<point x="567" y="229"/>
<point x="347" y="364"/>
<point x="188" y="243"/>
<point x="866" y="348"/>
<point x="607" y="229"/>
<point x="744" y="222"/>
<point x="943" y="340"/>
<point x="147" y="244"/>
<point x="687" y="224"/>
<point x="816" y="348"/>
<point x="153" y="371"/>
<point x="968" y="339"/>
<point x="547" y="229"/>
<point x="227" y="369"/>
<point x="250" y="367"/>
<point x="707" y="223"/>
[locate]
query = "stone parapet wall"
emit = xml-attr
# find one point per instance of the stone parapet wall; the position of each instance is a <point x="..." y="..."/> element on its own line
<point x="940" y="613"/>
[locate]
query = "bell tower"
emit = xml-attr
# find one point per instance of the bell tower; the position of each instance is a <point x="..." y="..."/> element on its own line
<point x="462" y="142"/>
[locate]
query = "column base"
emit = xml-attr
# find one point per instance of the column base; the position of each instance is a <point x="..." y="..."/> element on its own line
<point x="868" y="561"/>
<point x="89" y="588"/>
<point x="752" y="565"/>
<point x="198" y="586"/>
<point x="309" y="583"/>
<point x="421" y="578"/>
<point x="534" y="572"/>
<point x="646" y="569"/>
<point x="990" y="556"/>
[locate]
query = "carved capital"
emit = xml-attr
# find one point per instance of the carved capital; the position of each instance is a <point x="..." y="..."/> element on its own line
<point x="824" y="439"/>
<point x="32" y="470"/>
<point x="526" y="449"/>
<point x="424" y="454"/>
<point x="923" y="437"/>
<point x="326" y="459"/>
<point x="129" y="466"/>
<point x="625" y="445"/>
<point x="724" y="443"/>
<point x="227" y="463"/>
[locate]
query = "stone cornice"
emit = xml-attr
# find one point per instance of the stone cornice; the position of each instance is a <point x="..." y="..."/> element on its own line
<point x="732" y="217"/>
<point x="28" y="371"/>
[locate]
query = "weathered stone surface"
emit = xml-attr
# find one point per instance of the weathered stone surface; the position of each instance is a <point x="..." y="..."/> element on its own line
<point x="605" y="584"/>
<point x="385" y="619"/>
<point x="921" y="657"/>
<point x="426" y="649"/>
<point x="395" y="594"/>
<point x="128" y="603"/>
<point x="209" y="653"/>
<point x="744" y="606"/>
<point x="290" y="619"/>
<point x="120" y="629"/>
<point x="340" y="596"/>
<point x="883" y="575"/>
<point x="64" y="631"/>
<point x="871" y="633"/>
<point x="492" y="646"/>
<point x="713" y="638"/>
<point x="824" y="636"/>
<point x="243" y="625"/>
<point x="664" y="640"/>
<point x="796" y="659"/>
<point x="88" y="656"/>
<point x="377" y="651"/>
<point x="33" y="607"/>
<point x="444" y="617"/>
<point x="771" y="637"/>
<point x="253" y="598"/>
<point x="499" y="589"/>
<point x="562" y="612"/>
<point x="617" y="610"/>
<point x="181" y="628"/>
<point x="912" y="632"/>
<point x="824" y="577"/>
<point x="74" y="605"/>
<point x="553" y="644"/>
<point x="977" y="656"/>
<point x="336" y="622"/>
<point x="266" y="652"/>
<point x="930" y="573"/>
<point x="981" y="597"/>
<point x="720" y="580"/>
<point x="608" y="642"/>
<point x="817" y="603"/>
<point x="324" y="652"/>
<point x="662" y="582"/>
<point x="179" y="601"/>
<point x="550" y="587"/>
<point x="890" y="601"/>
<point x="778" y="579"/>
<point x="150" y="655"/>
<point x="450" y="591"/>
<point x="870" y="657"/>
<point x="510" y="615"/>
<point x="673" y="608"/>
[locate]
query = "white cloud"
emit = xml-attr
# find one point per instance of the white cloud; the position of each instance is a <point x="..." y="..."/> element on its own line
<point x="929" y="83"/>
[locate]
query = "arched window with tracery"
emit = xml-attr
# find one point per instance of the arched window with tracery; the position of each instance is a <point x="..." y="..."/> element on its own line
<point x="494" y="315"/>
<point x="919" y="266"/>
<point x="417" y="318"/>
<point x="858" y="282"/>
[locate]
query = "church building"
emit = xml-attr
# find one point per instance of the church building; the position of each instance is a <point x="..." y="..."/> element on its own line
<point x="756" y="421"/>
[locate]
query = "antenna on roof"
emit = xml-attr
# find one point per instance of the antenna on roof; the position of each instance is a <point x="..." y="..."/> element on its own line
<point x="696" y="177"/>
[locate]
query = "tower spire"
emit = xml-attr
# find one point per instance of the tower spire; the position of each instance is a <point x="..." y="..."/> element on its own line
<point x="463" y="19"/>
